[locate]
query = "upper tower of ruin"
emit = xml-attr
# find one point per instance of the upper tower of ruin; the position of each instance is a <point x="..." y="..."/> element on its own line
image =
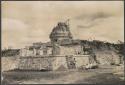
<point x="61" y="32"/>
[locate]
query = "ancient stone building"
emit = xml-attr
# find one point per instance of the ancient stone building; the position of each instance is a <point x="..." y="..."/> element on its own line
<point x="61" y="51"/>
<point x="61" y="32"/>
<point x="63" y="41"/>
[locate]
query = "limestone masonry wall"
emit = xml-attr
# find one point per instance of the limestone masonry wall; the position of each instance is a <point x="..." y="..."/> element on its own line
<point x="108" y="57"/>
<point x="35" y="63"/>
<point x="57" y="61"/>
<point x="9" y="63"/>
<point x="51" y="62"/>
<point x="70" y="50"/>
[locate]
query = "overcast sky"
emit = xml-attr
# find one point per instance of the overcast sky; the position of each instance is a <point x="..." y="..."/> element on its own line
<point x="25" y="22"/>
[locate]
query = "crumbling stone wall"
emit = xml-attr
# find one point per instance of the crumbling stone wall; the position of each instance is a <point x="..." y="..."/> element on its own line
<point x="70" y="50"/>
<point x="26" y="52"/>
<point x="9" y="63"/>
<point x="65" y="61"/>
<point x="81" y="60"/>
<point x="58" y="61"/>
<point x="51" y="62"/>
<point x="35" y="63"/>
<point x="107" y="57"/>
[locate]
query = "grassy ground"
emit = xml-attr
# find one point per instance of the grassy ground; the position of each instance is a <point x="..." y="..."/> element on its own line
<point x="93" y="76"/>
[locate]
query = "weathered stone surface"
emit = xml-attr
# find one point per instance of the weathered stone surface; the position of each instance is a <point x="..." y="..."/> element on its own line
<point x="35" y="63"/>
<point x="52" y="62"/>
<point x="81" y="60"/>
<point x="70" y="50"/>
<point x="59" y="61"/>
<point x="9" y="63"/>
<point x="107" y="57"/>
<point x="60" y="32"/>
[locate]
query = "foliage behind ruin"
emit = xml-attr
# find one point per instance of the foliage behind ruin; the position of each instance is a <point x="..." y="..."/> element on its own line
<point x="95" y="45"/>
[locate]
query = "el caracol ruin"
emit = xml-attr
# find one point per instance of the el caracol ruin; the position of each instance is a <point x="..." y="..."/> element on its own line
<point x="63" y="52"/>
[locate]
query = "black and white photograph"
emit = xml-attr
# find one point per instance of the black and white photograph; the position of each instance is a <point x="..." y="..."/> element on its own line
<point x="62" y="42"/>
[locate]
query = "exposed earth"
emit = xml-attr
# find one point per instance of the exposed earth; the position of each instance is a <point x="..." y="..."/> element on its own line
<point x="101" y="75"/>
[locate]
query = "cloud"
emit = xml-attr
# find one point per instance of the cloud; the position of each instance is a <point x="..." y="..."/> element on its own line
<point x="91" y="20"/>
<point x="86" y="26"/>
<point x="13" y="31"/>
<point x="93" y="16"/>
<point x="111" y="29"/>
<point x="100" y="15"/>
<point x="27" y="22"/>
<point x="13" y="24"/>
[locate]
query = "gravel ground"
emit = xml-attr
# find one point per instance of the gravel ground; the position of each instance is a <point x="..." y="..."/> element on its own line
<point x="92" y="76"/>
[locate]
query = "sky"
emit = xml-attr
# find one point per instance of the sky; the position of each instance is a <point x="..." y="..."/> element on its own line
<point x="26" y="22"/>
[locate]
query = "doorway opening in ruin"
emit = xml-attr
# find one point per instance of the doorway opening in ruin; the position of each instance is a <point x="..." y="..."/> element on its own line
<point x="71" y="62"/>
